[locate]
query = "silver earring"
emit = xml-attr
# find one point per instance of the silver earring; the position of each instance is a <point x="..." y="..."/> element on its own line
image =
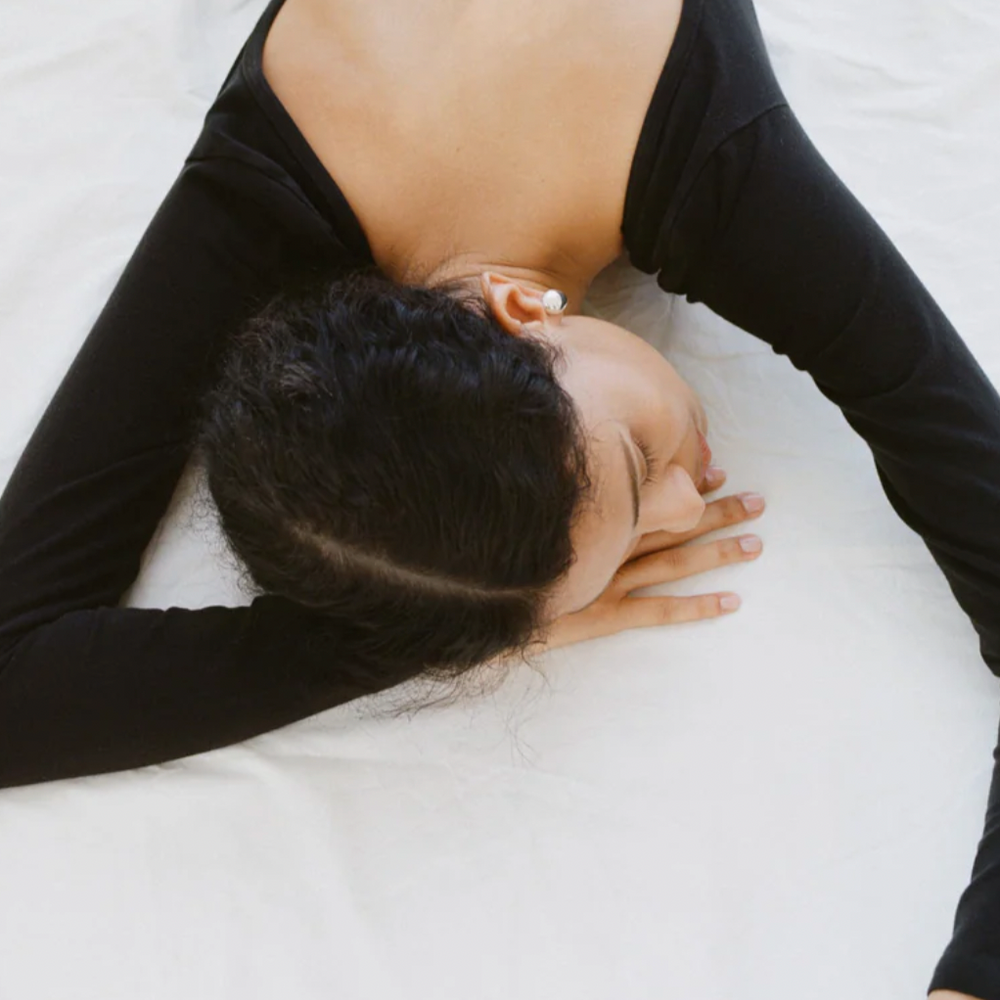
<point x="554" y="302"/>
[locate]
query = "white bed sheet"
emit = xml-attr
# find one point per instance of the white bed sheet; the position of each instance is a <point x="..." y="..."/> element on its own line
<point x="778" y="804"/>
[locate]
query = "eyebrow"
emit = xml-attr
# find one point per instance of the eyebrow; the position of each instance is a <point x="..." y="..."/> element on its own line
<point x="633" y="479"/>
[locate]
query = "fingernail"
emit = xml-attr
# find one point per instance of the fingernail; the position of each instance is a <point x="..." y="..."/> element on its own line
<point x="730" y="602"/>
<point x="753" y="503"/>
<point x="751" y="543"/>
<point x="713" y="474"/>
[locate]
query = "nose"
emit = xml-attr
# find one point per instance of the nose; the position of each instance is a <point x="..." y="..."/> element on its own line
<point x="682" y="506"/>
<point x="693" y="517"/>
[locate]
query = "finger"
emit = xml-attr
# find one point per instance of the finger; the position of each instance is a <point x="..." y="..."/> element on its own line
<point x="718" y="514"/>
<point x="725" y="512"/>
<point x="677" y="563"/>
<point x="714" y="478"/>
<point x="642" y="612"/>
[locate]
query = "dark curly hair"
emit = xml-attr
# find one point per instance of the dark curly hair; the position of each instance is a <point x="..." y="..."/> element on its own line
<point x="389" y="456"/>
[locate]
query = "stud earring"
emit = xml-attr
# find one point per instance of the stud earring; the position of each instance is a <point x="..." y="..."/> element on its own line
<point x="554" y="302"/>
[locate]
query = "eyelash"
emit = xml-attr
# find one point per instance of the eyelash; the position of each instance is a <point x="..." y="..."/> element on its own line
<point x="651" y="466"/>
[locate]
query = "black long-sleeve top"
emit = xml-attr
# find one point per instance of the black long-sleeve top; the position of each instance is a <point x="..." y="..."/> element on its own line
<point x="728" y="203"/>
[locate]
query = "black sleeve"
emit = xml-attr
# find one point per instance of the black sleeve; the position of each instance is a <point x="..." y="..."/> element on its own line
<point x="86" y="686"/>
<point x="771" y="239"/>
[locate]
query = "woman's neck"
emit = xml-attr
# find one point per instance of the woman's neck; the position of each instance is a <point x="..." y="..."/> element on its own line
<point x="468" y="268"/>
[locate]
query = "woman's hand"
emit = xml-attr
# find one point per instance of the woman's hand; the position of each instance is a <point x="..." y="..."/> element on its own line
<point x="659" y="559"/>
<point x="948" y="995"/>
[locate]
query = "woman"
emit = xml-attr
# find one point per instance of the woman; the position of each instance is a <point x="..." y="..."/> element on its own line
<point x="506" y="166"/>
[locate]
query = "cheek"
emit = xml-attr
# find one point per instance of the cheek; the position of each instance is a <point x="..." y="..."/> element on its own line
<point x="632" y="548"/>
<point x="601" y="541"/>
<point x="589" y="576"/>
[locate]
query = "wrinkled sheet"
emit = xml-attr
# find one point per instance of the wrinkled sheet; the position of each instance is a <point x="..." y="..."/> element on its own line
<point x="777" y="804"/>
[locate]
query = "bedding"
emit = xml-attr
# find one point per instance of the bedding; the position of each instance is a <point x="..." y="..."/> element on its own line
<point x="782" y="801"/>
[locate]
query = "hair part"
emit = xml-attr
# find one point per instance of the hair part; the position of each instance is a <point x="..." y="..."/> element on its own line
<point x="391" y="458"/>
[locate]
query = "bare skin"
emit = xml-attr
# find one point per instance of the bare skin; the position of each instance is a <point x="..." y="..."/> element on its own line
<point x="626" y="392"/>
<point x="475" y="132"/>
<point x="491" y="144"/>
<point x="662" y="557"/>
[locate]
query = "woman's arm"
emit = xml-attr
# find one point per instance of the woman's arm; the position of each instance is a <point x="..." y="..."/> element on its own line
<point x="769" y="238"/>
<point x="86" y="686"/>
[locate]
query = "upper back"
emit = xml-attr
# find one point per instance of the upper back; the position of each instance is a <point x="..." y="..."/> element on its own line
<point x="498" y="127"/>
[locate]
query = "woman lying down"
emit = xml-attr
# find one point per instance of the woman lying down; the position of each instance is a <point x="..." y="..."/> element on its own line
<point x="359" y="306"/>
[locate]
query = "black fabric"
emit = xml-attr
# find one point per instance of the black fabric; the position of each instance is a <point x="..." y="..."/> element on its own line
<point x="728" y="203"/>
<point x="86" y="686"/>
<point x="731" y="205"/>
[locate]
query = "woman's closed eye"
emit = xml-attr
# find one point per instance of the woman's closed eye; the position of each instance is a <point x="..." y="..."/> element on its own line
<point x="652" y="468"/>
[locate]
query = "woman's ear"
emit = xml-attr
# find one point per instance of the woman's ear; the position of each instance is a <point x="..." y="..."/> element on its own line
<point x="517" y="308"/>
